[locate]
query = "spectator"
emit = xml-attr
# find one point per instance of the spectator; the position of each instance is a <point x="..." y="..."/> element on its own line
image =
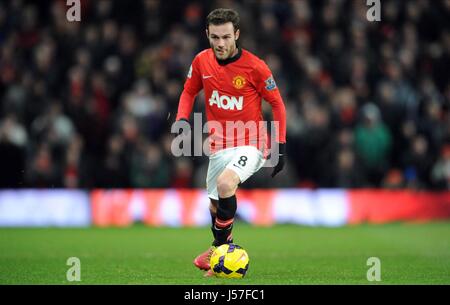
<point x="373" y="143"/>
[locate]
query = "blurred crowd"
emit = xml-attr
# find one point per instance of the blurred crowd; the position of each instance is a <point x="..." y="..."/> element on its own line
<point x="90" y="104"/>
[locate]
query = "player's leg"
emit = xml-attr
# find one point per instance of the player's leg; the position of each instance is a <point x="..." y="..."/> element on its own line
<point x="216" y="166"/>
<point x="232" y="166"/>
<point x="246" y="161"/>
<point x="227" y="184"/>
<point x="202" y="260"/>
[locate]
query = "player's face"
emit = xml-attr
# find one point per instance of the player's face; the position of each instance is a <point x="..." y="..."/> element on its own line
<point x="222" y="39"/>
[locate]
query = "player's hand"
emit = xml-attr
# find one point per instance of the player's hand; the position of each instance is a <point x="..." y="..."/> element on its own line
<point x="280" y="165"/>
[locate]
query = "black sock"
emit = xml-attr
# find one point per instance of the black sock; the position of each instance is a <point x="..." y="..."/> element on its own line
<point x="223" y="224"/>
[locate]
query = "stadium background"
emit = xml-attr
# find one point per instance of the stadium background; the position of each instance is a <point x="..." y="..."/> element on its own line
<point x="86" y="110"/>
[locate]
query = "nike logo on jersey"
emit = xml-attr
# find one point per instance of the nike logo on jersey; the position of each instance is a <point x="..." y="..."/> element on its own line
<point x="206" y="76"/>
<point x="226" y="102"/>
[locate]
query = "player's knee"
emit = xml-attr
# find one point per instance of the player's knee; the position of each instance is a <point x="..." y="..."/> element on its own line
<point x="225" y="187"/>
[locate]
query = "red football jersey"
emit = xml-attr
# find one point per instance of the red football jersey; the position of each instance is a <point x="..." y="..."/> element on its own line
<point x="233" y="94"/>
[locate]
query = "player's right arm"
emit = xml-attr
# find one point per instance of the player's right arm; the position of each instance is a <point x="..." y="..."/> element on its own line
<point x="192" y="87"/>
<point x="267" y="88"/>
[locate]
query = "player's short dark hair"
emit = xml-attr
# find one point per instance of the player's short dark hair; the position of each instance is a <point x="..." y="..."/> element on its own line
<point x="221" y="16"/>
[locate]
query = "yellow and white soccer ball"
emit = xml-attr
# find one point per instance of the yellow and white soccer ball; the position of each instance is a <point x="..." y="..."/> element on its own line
<point x="229" y="261"/>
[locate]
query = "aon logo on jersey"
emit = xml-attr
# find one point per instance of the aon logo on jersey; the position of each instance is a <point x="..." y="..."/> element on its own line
<point x="226" y="102"/>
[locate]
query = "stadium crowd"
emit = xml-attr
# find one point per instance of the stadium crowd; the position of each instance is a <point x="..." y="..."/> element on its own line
<point x="90" y="104"/>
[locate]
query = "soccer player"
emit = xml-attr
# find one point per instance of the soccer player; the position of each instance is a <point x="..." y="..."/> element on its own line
<point x="234" y="82"/>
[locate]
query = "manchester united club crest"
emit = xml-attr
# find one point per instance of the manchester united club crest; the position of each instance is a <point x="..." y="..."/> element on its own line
<point x="239" y="82"/>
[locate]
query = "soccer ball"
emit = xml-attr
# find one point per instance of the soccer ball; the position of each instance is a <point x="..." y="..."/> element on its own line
<point x="229" y="261"/>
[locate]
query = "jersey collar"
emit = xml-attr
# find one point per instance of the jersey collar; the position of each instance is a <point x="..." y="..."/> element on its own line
<point x="230" y="59"/>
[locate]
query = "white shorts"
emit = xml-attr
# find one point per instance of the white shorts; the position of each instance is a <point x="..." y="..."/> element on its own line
<point x="243" y="160"/>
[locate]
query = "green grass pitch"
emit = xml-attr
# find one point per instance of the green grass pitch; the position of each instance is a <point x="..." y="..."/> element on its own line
<point x="283" y="254"/>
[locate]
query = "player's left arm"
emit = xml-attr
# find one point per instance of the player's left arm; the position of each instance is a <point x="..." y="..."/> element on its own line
<point x="267" y="88"/>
